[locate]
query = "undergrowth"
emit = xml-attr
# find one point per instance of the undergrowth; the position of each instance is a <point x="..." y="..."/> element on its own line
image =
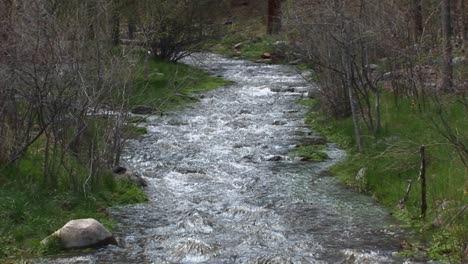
<point x="392" y="159"/>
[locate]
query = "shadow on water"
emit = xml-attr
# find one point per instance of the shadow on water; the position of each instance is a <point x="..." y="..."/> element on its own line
<point x="222" y="189"/>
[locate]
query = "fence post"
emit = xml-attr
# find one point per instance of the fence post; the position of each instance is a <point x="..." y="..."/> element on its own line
<point x="422" y="177"/>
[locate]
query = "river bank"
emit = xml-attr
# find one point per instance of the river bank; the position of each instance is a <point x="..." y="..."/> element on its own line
<point x="223" y="188"/>
<point x="31" y="210"/>
<point x="392" y="160"/>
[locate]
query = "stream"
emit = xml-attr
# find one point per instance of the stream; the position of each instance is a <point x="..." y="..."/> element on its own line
<point x="222" y="188"/>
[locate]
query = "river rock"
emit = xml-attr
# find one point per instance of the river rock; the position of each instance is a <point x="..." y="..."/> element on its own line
<point x="280" y="43"/>
<point x="459" y="60"/>
<point x="177" y="122"/>
<point x="264" y="61"/>
<point x="372" y="67"/>
<point x="266" y="55"/>
<point x="279" y="123"/>
<point x="82" y="233"/>
<point x="282" y="89"/>
<point x="295" y="62"/>
<point x="123" y="174"/>
<point x="255" y="40"/>
<point x="314" y="141"/>
<point x="274" y="158"/>
<point x="142" y="110"/>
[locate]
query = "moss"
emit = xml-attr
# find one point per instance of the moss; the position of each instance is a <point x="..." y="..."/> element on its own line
<point x="130" y="195"/>
<point x="133" y="131"/>
<point x="312" y="152"/>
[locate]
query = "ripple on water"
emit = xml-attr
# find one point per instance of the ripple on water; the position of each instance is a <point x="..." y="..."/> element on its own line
<point x="192" y="250"/>
<point x="195" y="222"/>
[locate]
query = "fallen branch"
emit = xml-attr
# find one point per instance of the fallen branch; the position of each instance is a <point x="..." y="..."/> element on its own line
<point x="403" y="200"/>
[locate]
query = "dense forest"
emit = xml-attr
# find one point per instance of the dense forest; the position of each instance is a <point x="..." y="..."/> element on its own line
<point x="392" y="78"/>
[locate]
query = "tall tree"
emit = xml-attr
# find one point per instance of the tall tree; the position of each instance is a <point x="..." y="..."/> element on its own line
<point x="274" y="16"/>
<point x="417" y="18"/>
<point x="446" y="67"/>
<point x="461" y="23"/>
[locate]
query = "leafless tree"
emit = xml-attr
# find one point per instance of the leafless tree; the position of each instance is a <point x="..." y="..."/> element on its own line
<point x="174" y="29"/>
<point x="57" y="77"/>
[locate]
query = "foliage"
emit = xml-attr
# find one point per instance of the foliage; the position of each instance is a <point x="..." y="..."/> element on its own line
<point x="58" y="76"/>
<point x="392" y="158"/>
<point x="172" y="29"/>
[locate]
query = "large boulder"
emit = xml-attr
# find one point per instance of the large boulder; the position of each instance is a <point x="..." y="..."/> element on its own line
<point x="82" y="233"/>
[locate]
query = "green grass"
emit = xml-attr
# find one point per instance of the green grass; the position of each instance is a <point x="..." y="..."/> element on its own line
<point x="168" y="85"/>
<point x="33" y="206"/>
<point x="392" y="158"/>
<point x="31" y="211"/>
<point x="133" y="131"/>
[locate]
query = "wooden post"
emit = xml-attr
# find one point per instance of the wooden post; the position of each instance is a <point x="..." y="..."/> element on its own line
<point x="403" y="200"/>
<point x="422" y="177"/>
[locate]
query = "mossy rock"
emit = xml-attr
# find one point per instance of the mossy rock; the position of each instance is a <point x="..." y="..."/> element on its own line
<point x="310" y="152"/>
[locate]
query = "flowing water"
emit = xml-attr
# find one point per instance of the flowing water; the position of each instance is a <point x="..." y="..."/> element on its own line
<point x="222" y="189"/>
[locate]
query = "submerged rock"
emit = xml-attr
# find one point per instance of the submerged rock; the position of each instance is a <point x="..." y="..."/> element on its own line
<point x="295" y="62"/>
<point x="279" y="123"/>
<point x="245" y="112"/>
<point x="142" y="110"/>
<point x="274" y="158"/>
<point x="264" y="61"/>
<point x="82" y="233"/>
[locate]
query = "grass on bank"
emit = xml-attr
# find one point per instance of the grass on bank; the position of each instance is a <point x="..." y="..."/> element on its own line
<point x="253" y="48"/>
<point x="32" y="210"/>
<point x="167" y="85"/>
<point x="392" y="159"/>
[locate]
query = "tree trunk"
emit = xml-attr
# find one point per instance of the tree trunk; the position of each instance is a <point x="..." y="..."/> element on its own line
<point x="378" y="123"/>
<point x="461" y="22"/>
<point x="115" y="29"/>
<point x="274" y="17"/>
<point x="417" y="19"/>
<point x="349" y="83"/>
<point x="131" y="29"/>
<point x="447" y="71"/>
